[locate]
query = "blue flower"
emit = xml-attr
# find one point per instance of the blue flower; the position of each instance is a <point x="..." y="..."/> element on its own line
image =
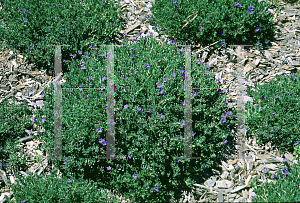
<point x="156" y="189"/>
<point x="146" y="187"/>
<point x="251" y="8"/>
<point x="202" y="28"/>
<point x="257" y="29"/>
<point x="135" y="176"/>
<point x="223" y="120"/>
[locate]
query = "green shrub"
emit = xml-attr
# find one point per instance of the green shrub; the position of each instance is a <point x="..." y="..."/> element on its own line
<point x="285" y="188"/>
<point x="140" y="69"/>
<point x="15" y="119"/>
<point x="205" y="22"/>
<point x="30" y="27"/>
<point x="275" y="117"/>
<point x="52" y="189"/>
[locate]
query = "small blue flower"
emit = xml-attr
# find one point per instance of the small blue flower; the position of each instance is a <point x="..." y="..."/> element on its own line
<point x="223" y="120"/>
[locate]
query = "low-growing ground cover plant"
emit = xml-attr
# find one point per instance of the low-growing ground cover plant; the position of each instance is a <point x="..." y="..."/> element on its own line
<point x="30" y="27"/>
<point x="205" y="22"/>
<point x="149" y="120"/>
<point x="52" y="189"/>
<point x="15" y="119"/>
<point x="276" y="117"/>
<point x="285" y="189"/>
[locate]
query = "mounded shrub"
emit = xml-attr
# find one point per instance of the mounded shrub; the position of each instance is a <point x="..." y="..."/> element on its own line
<point x="149" y="120"/>
<point x="29" y="27"/>
<point x="205" y="22"/>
